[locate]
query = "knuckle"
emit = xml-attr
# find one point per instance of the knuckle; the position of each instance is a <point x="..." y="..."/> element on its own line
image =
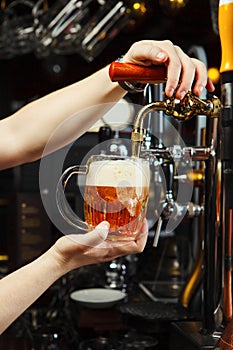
<point x="200" y="64"/>
<point x="173" y="82"/>
<point x="168" y="42"/>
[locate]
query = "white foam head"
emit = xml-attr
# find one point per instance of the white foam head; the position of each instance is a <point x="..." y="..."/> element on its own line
<point x="121" y="173"/>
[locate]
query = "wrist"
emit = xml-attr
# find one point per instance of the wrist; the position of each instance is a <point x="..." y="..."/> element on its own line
<point x="58" y="262"/>
<point x="66" y="254"/>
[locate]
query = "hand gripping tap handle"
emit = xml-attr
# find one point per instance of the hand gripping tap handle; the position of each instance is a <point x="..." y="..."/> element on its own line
<point x="131" y="72"/>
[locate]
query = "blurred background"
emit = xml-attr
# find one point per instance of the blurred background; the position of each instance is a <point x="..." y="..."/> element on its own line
<point x="27" y="72"/>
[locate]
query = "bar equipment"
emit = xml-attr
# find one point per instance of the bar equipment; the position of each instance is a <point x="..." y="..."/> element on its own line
<point x="101" y="343"/>
<point x="57" y="27"/>
<point x="225" y="24"/>
<point x="102" y="28"/>
<point x="184" y="110"/>
<point x="61" y="27"/>
<point x="17" y="30"/>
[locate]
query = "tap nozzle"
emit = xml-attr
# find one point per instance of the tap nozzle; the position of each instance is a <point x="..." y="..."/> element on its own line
<point x="137" y="134"/>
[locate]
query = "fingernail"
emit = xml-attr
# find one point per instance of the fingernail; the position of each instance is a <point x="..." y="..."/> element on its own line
<point x="200" y="88"/>
<point x="182" y="94"/>
<point x="103" y="229"/>
<point x="170" y="92"/>
<point x="104" y="225"/>
<point x="160" y="55"/>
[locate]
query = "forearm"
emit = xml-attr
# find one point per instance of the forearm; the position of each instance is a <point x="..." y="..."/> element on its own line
<point x="34" y="124"/>
<point x="21" y="288"/>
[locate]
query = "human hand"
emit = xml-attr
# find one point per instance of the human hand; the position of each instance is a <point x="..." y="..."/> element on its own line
<point x="183" y="72"/>
<point x="73" y="251"/>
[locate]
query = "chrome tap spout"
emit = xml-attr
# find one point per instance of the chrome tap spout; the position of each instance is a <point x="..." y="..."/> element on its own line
<point x="181" y="110"/>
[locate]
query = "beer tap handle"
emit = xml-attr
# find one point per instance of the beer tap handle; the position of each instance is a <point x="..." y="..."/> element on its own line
<point x="131" y="72"/>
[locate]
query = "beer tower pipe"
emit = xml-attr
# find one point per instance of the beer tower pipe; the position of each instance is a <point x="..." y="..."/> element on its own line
<point x="225" y="23"/>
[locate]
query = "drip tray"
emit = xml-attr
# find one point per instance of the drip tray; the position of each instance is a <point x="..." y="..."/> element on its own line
<point x="154" y="311"/>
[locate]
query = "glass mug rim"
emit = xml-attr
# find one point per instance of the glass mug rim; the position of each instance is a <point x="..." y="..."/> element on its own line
<point x="115" y="156"/>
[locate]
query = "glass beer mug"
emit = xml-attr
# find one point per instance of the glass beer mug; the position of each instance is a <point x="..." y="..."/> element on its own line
<point x="116" y="190"/>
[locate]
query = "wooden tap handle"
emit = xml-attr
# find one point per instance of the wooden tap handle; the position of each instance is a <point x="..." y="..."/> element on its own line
<point x="132" y="72"/>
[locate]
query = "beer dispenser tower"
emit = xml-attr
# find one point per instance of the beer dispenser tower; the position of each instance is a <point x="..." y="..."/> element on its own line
<point x="225" y="25"/>
<point x="215" y="331"/>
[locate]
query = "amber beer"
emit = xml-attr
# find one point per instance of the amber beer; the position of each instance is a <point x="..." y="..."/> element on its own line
<point x="117" y="191"/>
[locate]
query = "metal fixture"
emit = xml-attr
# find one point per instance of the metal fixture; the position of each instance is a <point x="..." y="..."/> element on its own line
<point x="184" y="110"/>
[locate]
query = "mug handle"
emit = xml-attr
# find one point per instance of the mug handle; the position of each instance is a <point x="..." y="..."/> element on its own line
<point x="61" y="201"/>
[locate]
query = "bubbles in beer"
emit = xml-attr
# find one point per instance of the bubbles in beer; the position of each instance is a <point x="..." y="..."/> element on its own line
<point x="117" y="191"/>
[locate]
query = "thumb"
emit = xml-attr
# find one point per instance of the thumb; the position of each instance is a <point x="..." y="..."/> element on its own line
<point x="95" y="237"/>
<point x="100" y="231"/>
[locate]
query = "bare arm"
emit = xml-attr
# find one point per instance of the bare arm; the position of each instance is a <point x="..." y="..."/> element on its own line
<point x="22" y="287"/>
<point x="27" y="131"/>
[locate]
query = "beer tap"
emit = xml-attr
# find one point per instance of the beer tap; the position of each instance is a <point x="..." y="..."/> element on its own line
<point x="181" y="110"/>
